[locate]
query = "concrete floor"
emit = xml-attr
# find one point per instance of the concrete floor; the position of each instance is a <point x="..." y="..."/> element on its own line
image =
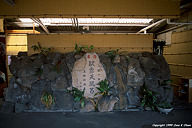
<point x="182" y="114"/>
<point x="131" y="119"/>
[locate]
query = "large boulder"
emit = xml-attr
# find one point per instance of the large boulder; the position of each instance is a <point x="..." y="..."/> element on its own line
<point x="20" y="54"/>
<point x="27" y="82"/>
<point x="150" y="68"/>
<point x="60" y="84"/>
<point x="164" y="73"/>
<point x="54" y="58"/>
<point x="63" y="101"/>
<point x="37" y="90"/>
<point x="15" y="93"/>
<point x="15" y="65"/>
<point x="135" y="55"/>
<point x="8" y="107"/>
<point x="135" y="76"/>
<point x="106" y="104"/>
<point x="26" y="71"/>
<point x="133" y="97"/>
<point x="70" y="60"/>
<point x="39" y="60"/>
<point x="20" y="107"/>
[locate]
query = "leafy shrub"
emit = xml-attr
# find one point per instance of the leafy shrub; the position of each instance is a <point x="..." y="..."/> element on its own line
<point x="48" y="100"/>
<point x="104" y="88"/>
<point x="149" y="98"/>
<point x="43" y="50"/>
<point x="78" y="95"/>
<point x="82" y="49"/>
<point x="165" y="105"/>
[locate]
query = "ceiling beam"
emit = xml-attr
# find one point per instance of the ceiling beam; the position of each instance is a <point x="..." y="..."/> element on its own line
<point x="10" y="2"/>
<point x="22" y="32"/>
<point x="38" y="21"/>
<point x="150" y="26"/>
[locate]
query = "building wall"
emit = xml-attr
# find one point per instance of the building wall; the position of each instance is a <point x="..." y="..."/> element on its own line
<point x="92" y="8"/>
<point x="101" y="42"/>
<point x="179" y="56"/>
<point x="14" y="44"/>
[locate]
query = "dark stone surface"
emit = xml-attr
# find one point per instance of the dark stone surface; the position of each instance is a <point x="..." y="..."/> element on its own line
<point x="106" y="61"/>
<point x="27" y="81"/>
<point x="54" y="57"/>
<point x="39" y="60"/>
<point x="135" y="75"/>
<point x="164" y="73"/>
<point x="147" y="54"/>
<point x="122" y="90"/>
<point x="8" y="107"/>
<point x="106" y="104"/>
<point x="65" y="73"/>
<point x="89" y="106"/>
<point x="26" y="71"/>
<point x="48" y="72"/>
<point x="165" y="94"/>
<point x="63" y="101"/>
<point x="60" y="84"/>
<point x="20" y="54"/>
<point x="36" y="93"/>
<point x="135" y="55"/>
<point x="15" y="65"/>
<point x="133" y="97"/>
<point x="150" y="68"/>
<point x="14" y="93"/>
<point x="52" y="75"/>
<point x="70" y="60"/>
<point x="151" y="83"/>
<point x="20" y="107"/>
<point x="26" y="60"/>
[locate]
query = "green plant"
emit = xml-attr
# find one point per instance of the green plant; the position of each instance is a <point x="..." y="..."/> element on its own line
<point x="48" y="100"/>
<point x="113" y="53"/>
<point x="78" y="95"/>
<point x="128" y="58"/>
<point x="164" y="105"/>
<point x="104" y="88"/>
<point x="82" y="49"/>
<point x="166" y="82"/>
<point x="149" y="98"/>
<point x="43" y="50"/>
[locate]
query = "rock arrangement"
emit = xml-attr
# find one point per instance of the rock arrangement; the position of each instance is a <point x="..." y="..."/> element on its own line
<point x="34" y="74"/>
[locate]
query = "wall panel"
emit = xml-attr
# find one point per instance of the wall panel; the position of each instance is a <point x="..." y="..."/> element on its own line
<point x="179" y="54"/>
<point x="93" y="8"/>
<point x="102" y="42"/>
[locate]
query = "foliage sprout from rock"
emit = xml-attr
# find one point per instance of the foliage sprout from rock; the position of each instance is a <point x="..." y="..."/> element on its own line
<point x="114" y="55"/>
<point x="78" y="95"/>
<point x="165" y="105"/>
<point x="43" y="50"/>
<point x="104" y="88"/>
<point x="82" y="49"/>
<point x="149" y="98"/>
<point x="48" y="100"/>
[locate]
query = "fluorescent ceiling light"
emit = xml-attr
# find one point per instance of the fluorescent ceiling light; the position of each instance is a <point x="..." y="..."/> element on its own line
<point x="27" y="20"/>
<point x="113" y="20"/>
<point x="91" y="21"/>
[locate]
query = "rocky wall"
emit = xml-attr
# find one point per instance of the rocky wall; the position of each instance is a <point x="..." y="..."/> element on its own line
<point x="34" y="74"/>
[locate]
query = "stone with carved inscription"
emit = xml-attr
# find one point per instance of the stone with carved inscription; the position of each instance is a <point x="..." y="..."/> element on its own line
<point x="87" y="73"/>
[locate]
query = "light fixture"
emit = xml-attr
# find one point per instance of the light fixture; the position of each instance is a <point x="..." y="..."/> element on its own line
<point x="10" y="2"/>
<point x="91" y="21"/>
